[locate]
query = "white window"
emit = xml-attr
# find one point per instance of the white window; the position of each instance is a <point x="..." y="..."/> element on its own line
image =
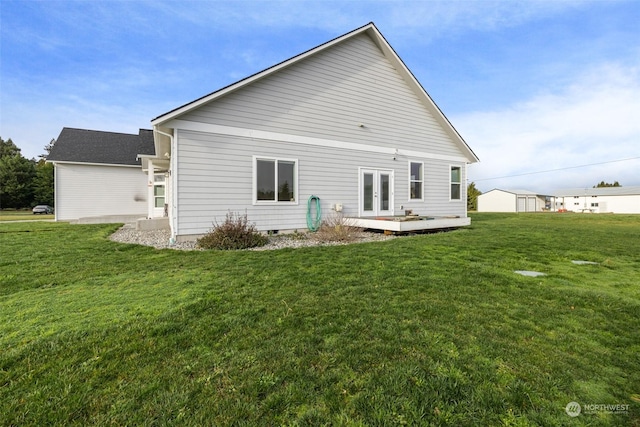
<point x="275" y="180"/>
<point x="456" y="182"/>
<point x="416" y="180"/>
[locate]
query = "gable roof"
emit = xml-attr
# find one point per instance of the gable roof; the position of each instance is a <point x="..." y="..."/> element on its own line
<point x="98" y="147"/>
<point x="599" y="191"/>
<point x="372" y="31"/>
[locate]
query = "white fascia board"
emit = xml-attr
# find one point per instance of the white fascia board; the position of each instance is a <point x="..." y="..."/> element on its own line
<point x="298" y="139"/>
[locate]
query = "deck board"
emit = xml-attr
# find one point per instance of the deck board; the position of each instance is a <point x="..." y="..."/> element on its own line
<point x="401" y="224"/>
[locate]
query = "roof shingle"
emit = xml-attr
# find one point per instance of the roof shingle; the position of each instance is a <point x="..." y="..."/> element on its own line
<point x="91" y="146"/>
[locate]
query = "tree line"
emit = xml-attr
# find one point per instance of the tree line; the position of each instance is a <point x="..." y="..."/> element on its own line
<point x="24" y="182"/>
<point x="603" y="184"/>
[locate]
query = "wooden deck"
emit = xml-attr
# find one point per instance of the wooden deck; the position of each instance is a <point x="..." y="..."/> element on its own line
<point x="402" y="224"/>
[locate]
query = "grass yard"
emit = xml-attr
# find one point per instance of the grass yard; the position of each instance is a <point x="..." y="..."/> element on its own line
<point x="22" y="215"/>
<point x="425" y="330"/>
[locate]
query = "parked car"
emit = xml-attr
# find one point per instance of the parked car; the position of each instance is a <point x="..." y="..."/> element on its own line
<point x="42" y="209"/>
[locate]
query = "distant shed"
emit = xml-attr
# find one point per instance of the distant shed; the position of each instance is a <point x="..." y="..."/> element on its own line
<point x="498" y="200"/>
<point x="623" y="200"/>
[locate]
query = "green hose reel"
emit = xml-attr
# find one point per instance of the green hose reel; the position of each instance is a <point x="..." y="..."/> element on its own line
<point x="313" y="223"/>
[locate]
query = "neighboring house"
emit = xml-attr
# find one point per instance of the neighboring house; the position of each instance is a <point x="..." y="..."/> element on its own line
<point x="600" y="200"/>
<point x="498" y="200"/>
<point x="346" y="122"/>
<point x="97" y="174"/>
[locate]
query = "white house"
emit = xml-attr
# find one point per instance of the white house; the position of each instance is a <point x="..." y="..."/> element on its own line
<point x="346" y="122"/>
<point x="622" y="200"/>
<point x="97" y="175"/>
<point x="498" y="200"/>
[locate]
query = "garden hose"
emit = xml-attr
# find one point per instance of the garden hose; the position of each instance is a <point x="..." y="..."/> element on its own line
<point x="313" y="223"/>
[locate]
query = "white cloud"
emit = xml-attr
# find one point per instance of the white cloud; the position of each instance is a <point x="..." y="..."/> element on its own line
<point x="428" y="17"/>
<point x="451" y="17"/>
<point x="594" y="120"/>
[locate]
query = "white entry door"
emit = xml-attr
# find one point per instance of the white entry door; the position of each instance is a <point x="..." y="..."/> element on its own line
<point x="159" y="187"/>
<point x="376" y="192"/>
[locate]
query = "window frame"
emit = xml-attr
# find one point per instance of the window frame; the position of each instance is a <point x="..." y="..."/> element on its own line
<point x="451" y="183"/>
<point x="410" y="181"/>
<point x="276" y="161"/>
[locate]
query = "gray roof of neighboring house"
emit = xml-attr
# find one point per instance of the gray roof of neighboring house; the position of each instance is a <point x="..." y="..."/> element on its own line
<point x="519" y="192"/>
<point x="599" y="191"/>
<point x="92" y="146"/>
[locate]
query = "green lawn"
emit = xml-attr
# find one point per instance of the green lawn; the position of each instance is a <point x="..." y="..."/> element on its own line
<point x="426" y="330"/>
<point x="22" y="215"/>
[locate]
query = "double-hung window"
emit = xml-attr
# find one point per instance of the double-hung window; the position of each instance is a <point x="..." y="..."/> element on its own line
<point x="416" y="180"/>
<point x="456" y="182"/>
<point x="275" y="180"/>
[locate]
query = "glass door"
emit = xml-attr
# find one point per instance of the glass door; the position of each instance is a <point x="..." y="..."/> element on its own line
<point x="376" y="192"/>
<point x="159" y="186"/>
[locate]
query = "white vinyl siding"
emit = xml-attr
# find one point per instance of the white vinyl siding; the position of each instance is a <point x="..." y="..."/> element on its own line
<point x="333" y="112"/>
<point x="206" y="192"/>
<point x="83" y="191"/>
<point x="620" y="204"/>
<point x="349" y="93"/>
<point x="497" y="201"/>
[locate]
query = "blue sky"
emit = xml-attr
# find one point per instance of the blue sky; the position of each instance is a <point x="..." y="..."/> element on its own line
<point x="531" y="86"/>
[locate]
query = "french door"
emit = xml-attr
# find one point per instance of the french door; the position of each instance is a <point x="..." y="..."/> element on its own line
<point x="376" y="192"/>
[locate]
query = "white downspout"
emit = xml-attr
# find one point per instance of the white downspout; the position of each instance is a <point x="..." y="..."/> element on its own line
<point x="172" y="177"/>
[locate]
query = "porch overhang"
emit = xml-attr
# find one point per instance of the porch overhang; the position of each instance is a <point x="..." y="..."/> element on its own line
<point x="403" y="224"/>
<point x="156" y="162"/>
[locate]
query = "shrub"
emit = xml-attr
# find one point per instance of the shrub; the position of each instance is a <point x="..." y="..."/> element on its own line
<point x="234" y="233"/>
<point x="337" y="228"/>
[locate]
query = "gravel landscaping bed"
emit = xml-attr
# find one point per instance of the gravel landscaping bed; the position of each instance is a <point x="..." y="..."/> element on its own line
<point x="159" y="239"/>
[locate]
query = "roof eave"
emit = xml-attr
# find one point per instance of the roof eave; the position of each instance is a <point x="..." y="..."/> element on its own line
<point x="72" y="162"/>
